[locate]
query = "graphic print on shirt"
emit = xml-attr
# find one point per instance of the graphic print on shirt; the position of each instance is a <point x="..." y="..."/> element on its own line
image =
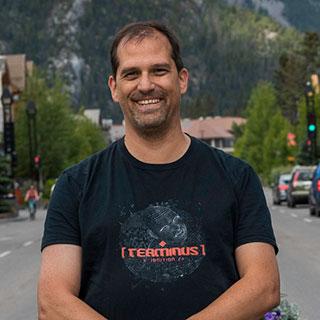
<point x="161" y="243"/>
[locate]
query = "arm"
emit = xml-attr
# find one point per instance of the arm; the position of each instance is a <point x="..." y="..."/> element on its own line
<point x="257" y="291"/>
<point x="26" y="198"/>
<point x="59" y="285"/>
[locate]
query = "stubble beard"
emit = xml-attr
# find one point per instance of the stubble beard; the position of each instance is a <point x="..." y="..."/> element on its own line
<point x="154" y="124"/>
<point x="151" y="126"/>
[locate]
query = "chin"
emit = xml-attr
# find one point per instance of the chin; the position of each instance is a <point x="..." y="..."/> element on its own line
<point x="154" y="125"/>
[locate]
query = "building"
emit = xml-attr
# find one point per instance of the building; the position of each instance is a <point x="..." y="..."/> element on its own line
<point x="13" y="74"/>
<point x="94" y="115"/>
<point x="216" y="131"/>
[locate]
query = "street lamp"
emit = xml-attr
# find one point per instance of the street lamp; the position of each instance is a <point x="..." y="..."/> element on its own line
<point x="31" y="111"/>
<point x="8" y="126"/>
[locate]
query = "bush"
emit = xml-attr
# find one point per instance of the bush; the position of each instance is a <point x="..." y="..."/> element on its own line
<point x="47" y="188"/>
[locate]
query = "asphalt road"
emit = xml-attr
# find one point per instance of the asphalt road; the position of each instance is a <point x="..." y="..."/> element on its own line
<point x="298" y="237"/>
<point x="297" y="233"/>
<point x="19" y="264"/>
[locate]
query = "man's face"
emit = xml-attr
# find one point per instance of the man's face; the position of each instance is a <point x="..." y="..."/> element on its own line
<point x="147" y="85"/>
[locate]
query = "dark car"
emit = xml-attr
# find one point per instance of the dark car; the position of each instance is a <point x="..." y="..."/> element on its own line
<point x="280" y="188"/>
<point x="299" y="185"/>
<point x="314" y="195"/>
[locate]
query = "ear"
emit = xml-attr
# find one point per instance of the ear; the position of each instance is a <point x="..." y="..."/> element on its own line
<point x="113" y="88"/>
<point x="183" y="80"/>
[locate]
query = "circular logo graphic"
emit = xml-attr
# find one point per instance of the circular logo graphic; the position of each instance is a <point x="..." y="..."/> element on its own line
<point x="161" y="243"/>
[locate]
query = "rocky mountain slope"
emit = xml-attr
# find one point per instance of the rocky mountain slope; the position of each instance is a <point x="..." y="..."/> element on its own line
<point x="303" y="15"/>
<point x="227" y="49"/>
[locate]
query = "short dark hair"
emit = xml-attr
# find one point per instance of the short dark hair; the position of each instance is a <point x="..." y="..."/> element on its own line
<point x="141" y="30"/>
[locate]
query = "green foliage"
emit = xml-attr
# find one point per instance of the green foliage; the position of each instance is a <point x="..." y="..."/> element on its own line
<point x="227" y="50"/>
<point x="63" y="138"/>
<point x="275" y="147"/>
<point x="237" y="130"/>
<point x="47" y="188"/>
<point x="295" y="69"/>
<point x="86" y="139"/>
<point x="290" y="80"/>
<point x="54" y="126"/>
<point x="264" y="140"/>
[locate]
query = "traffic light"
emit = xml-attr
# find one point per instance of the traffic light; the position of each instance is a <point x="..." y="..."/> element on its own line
<point x="312" y="126"/>
<point x="36" y="161"/>
<point x="8" y="137"/>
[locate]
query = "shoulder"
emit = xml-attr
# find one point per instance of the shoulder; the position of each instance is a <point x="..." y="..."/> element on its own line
<point x="81" y="172"/>
<point x="228" y="164"/>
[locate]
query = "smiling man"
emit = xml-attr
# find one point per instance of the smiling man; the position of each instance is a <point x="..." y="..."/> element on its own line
<point x="159" y="225"/>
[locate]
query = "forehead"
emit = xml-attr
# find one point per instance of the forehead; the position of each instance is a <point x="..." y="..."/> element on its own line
<point x="153" y="48"/>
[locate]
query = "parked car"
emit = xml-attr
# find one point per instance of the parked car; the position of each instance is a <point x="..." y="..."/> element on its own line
<point x="299" y="185"/>
<point x="280" y="188"/>
<point x="314" y="194"/>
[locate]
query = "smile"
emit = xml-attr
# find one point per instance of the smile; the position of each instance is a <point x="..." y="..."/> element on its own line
<point x="148" y="101"/>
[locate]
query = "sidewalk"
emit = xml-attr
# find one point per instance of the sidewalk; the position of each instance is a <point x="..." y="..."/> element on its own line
<point x="23" y="214"/>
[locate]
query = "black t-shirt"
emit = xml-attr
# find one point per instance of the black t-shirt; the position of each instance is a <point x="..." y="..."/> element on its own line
<point x="158" y="240"/>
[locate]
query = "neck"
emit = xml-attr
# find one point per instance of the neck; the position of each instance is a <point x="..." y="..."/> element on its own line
<point x="165" y="148"/>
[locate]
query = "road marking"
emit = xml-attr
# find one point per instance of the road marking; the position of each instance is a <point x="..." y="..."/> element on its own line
<point x="3" y="254"/>
<point x="273" y="208"/>
<point x="28" y="243"/>
<point x="307" y="220"/>
<point x="282" y="211"/>
<point x="294" y="215"/>
<point x="6" y="238"/>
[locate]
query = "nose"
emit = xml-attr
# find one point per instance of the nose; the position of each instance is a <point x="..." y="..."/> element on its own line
<point x="145" y="83"/>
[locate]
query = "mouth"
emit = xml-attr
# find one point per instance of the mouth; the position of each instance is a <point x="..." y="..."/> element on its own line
<point x="148" y="102"/>
<point x="148" y="105"/>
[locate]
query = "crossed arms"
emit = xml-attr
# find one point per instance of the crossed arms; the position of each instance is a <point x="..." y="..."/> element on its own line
<point x="255" y="293"/>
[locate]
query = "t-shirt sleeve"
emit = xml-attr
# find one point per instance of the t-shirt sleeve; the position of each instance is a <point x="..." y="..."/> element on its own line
<point x="254" y="219"/>
<point x="62" y="221"/>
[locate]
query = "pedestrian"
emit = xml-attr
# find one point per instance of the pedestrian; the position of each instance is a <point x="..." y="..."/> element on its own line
<point x="159" y="225"/>
<point x="32" y="196"/>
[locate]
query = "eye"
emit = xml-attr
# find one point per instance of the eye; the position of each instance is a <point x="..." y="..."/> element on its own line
<point x="160" y="71"/>
<point x="131" y="75"/>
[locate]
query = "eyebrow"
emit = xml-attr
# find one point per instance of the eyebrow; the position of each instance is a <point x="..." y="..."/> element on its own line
<point x="154" y="66"/>
<point x="161" y="65"/>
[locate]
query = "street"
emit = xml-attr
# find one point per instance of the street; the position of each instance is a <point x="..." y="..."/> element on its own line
<point x="297" y="233"/>
<point x="298" y="237"/>
<point x="19" y="264"/>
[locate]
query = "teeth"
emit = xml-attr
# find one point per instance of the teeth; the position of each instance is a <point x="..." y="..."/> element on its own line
<point x="149" y="101"/>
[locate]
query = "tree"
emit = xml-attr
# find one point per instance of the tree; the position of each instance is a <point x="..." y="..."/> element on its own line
<point x="304" y="152"/>
<point x="275" y="145"/>
<point x="54" y="125"/>
<point x="295" y="69"/>
<point x="260" y="110"/>
<point x="263" y="142"/>
<point x="87" y="138"/>
<point x="290" y="80"/>
<point x="59" y="142"/>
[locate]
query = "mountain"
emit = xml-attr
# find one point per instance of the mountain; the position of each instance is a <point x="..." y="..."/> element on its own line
<point x="303" y="15"/>
<point x="227" y="49"/>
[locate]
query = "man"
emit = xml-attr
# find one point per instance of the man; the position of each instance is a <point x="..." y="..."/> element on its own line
<point x="159" y="225"/>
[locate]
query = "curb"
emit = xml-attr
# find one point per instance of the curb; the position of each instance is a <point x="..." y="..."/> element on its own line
<point x="9" y="215"/>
